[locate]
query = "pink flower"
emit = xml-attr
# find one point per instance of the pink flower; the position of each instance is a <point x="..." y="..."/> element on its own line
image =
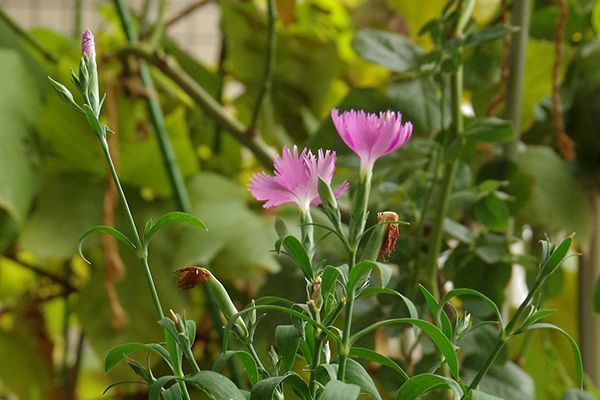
<point x="296" y="179"/>
<point x="88" y="46"/>
<point x="371" y="136"/>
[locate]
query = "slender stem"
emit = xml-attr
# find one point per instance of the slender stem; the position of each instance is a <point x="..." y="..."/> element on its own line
<point x="451" y="168"/>
<point x="152" y="287"/>
<point x="156" y="115"/>
<point x="506" y="333"/>
<point x="113" y="171"/>
<point x="208" y="104"/>
<point x="269" y="60"/>
<point x="254" y="355"/>
<point x="358" y="218"/>
<point x="307" y="232"/>
<point x="514" y="92"/>
<point x="217" y="142"/>
<point x="78" y="18"/>
<point x="345" y="346"/>
<point x="27" y="37"/>
<point x="316" y="361"/>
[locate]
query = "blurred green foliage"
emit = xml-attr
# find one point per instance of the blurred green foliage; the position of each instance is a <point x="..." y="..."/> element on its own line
<point x="348" y="54"/>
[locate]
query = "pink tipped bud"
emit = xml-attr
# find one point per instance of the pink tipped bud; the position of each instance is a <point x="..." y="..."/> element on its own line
<point x="88" y="46"/>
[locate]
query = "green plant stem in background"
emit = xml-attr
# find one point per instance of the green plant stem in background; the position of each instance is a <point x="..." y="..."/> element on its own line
<point x="179" y="189"/>
<point x="451" y="166"/>
<point x="506" y="333"/>
<point x="217" y="141"/>
<point x="307" y="230"/>
<point x="208" y="104"/>
<point x="358" y="218"/>
<point x="266" y="82"/>
<point x="156" y="115"/>
<point x="78" y="19"/>
<point x="345" y="347"/>
<point x="27" y="37"/>
<point x="514" y="90"/>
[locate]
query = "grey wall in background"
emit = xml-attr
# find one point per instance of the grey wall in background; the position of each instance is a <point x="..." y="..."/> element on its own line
<point x="197" y="33"/>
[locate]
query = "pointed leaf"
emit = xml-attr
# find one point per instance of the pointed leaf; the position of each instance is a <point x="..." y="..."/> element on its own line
<point x="246" y="359"/>
<point x="572" y="342"/>
<point x="264" y="389"/>
<point x="338" y="390"/>
<point x="117" y="354"/>
<point x="215" y="386"/>
<point x="168" y="218"/>
<point x="297" y="251"/>
<point x="363" y="267"/>
<point x="103" y="229"/>
<point x="418" y="385"/>
<point x="370" y="355"/>
<point x="287" y="338"/>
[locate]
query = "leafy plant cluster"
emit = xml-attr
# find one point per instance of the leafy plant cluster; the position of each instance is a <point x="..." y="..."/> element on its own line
<point x="465" y="196"/>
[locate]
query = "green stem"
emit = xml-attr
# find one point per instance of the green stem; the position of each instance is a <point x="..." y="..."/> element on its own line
<point x="456" y="92"/>
<point x="27" y="37"/>
<point x="269" y="60"/>
<point x="156" y="115"/>
<point x="307" y="232"/>
<point x="208" y="104"/>
<point x="506" y="333"/>
<point x="113" y="171"/>
<point x="358" y="218"/>
<point x="514" y="91"/>
<point x="217" y="142"/>
<point x="177" y="183"/>
<point x="152" y="287"/>
<point x="316" y="361"/>
<point x="78" y="18"/>
<point x="346" y="346"/>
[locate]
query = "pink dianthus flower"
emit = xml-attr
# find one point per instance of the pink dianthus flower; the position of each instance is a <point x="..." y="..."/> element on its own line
<point x="371" y="136"/>
<point x="296" y="179"/>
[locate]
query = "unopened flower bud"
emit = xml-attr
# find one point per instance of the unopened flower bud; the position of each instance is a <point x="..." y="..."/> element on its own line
<point x="274" y="357"/>
<point x="190" y="277"/>
<point x="176" y="320"/>
<point x="88" y="45"/>
<point x="327" y="352"/>
<point x="315" y="296"/>
<point x="463" y="324"/>
<point x="390" y="219"/>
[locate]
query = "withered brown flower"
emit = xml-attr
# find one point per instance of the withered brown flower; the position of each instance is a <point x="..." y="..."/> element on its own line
<point x="391" y="233"/>
<point x="190" y="277"/>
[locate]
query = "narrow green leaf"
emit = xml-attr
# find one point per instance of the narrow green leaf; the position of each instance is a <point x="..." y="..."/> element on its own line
<point x="168" y="218"/>
<point x="297" y="251"/>
<point x="491" y="130"/>
<point x="433" y="332"/>
<point x="557" y="256"/>
<point x="157" y="387"/>
<point x="360" y="269"/>
<point x="356" y="374"/>
<point x="537" y="316"/>
<point x="478" y="395"/>
<point x="438" y="312"/>
<point x="103" y="229"/>
<point x="488" y="34"/>
<point x="215" y="386"/>
<point x="412" y="310"/>
<point x="93" y="121"/>
<point x="418" y="385"/>
<point x="471" y="292"/>
<point x="287" y="338"/>
<point x="172" y="393"/>
<point x="265" y="389"/>
<point x="117" y="354"/>
<point x="338" y="390"/>
<point x="246" y="359"/>
<point x="370" y="355"/>
<point x="572" y="342"/>
<point x="388" y="49"/>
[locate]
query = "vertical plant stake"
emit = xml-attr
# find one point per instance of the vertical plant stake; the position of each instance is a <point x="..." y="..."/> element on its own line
<point x="316" y="352"/>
